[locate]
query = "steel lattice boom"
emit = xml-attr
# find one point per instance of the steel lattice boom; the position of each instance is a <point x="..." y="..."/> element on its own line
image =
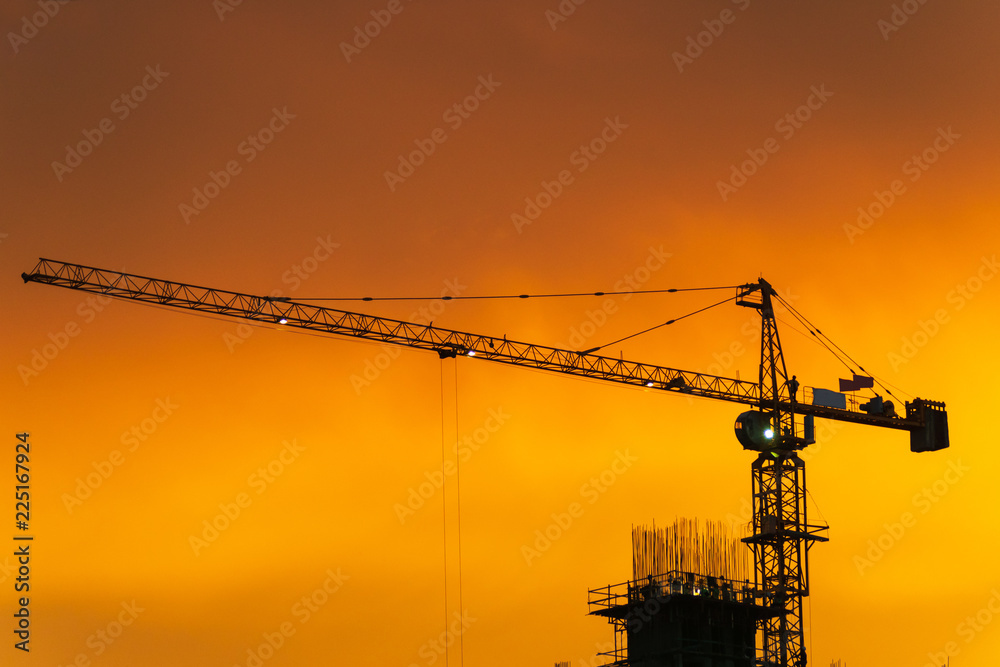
<point x="445" y="342"/>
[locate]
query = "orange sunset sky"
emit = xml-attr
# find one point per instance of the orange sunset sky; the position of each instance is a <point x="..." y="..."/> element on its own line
<point x="846" y="151"/>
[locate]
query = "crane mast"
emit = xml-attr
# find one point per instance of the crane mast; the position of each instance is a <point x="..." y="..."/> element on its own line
<point x="781" y="534"/>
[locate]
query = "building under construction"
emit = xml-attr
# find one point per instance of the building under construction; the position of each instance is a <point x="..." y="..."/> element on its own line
<point x="689" y="603"/>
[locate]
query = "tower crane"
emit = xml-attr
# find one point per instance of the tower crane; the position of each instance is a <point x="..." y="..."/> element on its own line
<point x="777" y="425"/>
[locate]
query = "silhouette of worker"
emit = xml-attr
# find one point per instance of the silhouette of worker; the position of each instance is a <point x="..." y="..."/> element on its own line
<point x="652" y="589"/>
<point x="793" y="388"/>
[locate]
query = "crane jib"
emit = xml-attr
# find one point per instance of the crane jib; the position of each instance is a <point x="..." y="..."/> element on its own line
<point x="925" y="420"/>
